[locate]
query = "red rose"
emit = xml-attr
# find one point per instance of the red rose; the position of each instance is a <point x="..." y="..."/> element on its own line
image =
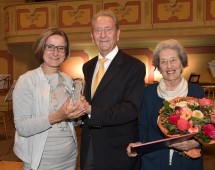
<point x="183" y="124"/>
<point x="173" y="118"/>
<point x="209" y="130"/>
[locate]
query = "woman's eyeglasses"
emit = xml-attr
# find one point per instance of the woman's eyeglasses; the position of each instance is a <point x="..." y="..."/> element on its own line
<point x="50" y="47"/>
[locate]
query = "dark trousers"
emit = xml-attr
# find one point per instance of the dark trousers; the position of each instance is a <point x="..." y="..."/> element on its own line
<point x="89" y="164"/>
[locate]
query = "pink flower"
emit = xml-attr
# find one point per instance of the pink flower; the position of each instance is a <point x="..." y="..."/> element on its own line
<point x="213" y="117"/>
<point x="193" y="102"/>
<point x="193" y="128"/>
<point x="183" y="124"/>
<point x="206" y="102"/>
<point x="181" y="104"/>
<point x="178" y="110"/>
<point x="186" y="113"/>
<point x="173" y="118"/>
<point x="209" y="130"/>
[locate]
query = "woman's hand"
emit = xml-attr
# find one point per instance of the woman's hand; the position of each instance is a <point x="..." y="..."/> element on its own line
<point x="129" y="152"/>
<point x="185" y="145"/>
<point x="67" y="111"/>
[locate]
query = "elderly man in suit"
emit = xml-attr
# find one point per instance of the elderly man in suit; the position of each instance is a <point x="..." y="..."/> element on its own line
<point x="111" y="122"/>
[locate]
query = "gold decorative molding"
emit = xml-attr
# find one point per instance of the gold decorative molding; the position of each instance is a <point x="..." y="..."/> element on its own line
<point x="199" y="8"/>
<point x="6" y="22"/>
<point x="137" y="18"/>
<point x="33" y="19"/>
<point x="75" y="16"/>
<point x="173" y="11"/>
<point x="174" y="7"/>
<point x="128" y="12"/>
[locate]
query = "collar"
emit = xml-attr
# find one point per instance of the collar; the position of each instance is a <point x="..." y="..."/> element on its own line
<point x="111" y="55"/>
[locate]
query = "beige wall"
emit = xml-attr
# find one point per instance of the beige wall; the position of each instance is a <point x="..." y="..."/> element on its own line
<point x="198" y="63"/>
<point x="23" y="58"/>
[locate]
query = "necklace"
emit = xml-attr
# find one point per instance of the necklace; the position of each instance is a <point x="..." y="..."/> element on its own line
<point x="58" y="94"/>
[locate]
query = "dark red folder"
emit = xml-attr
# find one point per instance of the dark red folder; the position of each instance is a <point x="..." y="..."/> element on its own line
<point x="159" y="144"/>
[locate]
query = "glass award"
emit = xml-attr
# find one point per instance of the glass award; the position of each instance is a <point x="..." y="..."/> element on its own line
<point x="77" y="90"/>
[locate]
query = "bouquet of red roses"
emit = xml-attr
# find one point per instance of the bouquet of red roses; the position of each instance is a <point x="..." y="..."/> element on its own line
<point x="183" y="115"/>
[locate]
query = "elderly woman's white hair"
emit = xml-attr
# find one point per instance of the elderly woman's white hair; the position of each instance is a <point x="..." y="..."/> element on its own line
<point x="170" y="44"/>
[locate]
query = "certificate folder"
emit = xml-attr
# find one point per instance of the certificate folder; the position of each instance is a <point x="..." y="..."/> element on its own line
<point x="159" y="144"/>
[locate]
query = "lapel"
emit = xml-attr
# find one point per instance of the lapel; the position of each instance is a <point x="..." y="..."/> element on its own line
<point x="112" y="70"/>
<point x="89" y="77"/>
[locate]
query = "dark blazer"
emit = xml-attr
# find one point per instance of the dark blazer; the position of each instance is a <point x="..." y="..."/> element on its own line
<point x="115" y="108"/>
<point x="149" y="131"/>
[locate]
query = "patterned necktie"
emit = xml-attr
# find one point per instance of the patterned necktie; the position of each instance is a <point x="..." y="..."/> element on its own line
<point x="99" y="75"/>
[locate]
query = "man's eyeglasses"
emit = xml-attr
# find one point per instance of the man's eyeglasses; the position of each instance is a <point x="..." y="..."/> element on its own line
<point x="50" y="47"/>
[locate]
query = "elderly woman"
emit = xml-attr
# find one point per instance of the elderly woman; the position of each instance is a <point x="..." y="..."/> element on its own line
<point x="170" y="59"/>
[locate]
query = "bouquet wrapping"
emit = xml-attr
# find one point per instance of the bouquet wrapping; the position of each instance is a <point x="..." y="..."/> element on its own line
<point x="183" y="115"/>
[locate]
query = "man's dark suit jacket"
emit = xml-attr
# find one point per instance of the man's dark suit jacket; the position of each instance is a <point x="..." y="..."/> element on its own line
<point x="114" y="115"/>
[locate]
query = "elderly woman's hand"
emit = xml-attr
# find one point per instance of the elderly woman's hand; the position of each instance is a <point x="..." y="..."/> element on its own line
<point x="186" y="145"/>
<point x="129" y="152"/>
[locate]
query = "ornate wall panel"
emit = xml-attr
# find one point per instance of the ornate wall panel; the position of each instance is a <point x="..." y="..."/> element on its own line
<point x="7" y="60"/>
<point x="129" y="12"/>
<point x="167" y="11"/>
<point x="75" y="15"/>
<point x="183" y="13"/>
<point x="32" y="18"/>
<point x="210" y="11"/>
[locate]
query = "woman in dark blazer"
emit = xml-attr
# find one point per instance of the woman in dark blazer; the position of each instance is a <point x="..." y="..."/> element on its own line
<point x="170" y="59"/>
